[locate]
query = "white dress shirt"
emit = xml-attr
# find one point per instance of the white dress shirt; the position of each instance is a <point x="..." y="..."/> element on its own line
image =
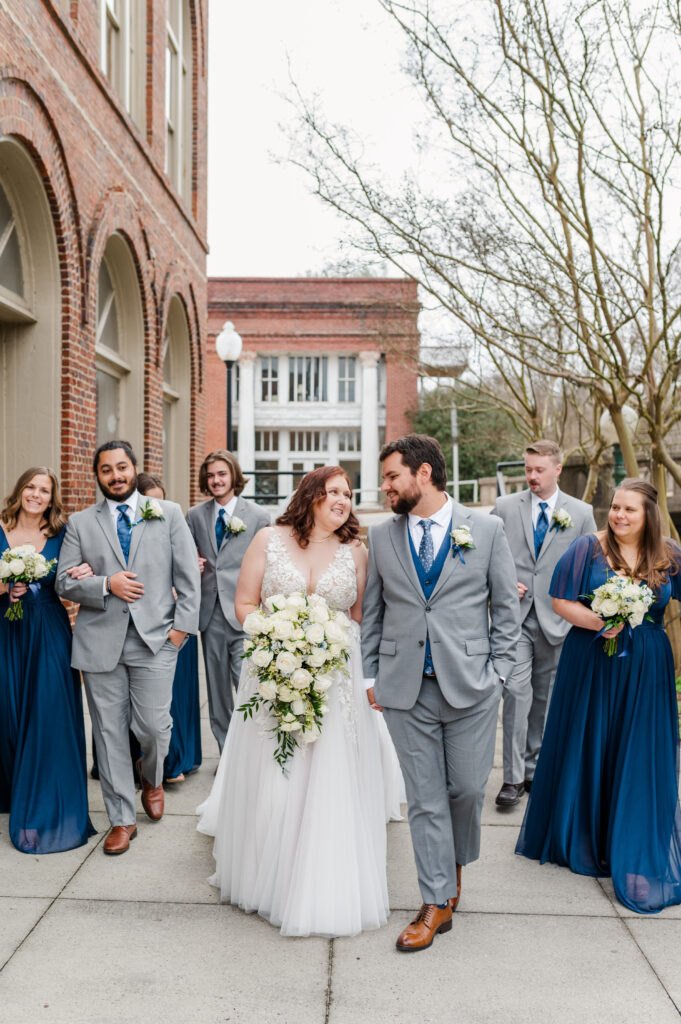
<point x="440" y="521"/>
<point x="551" y="502"/>
<point x="229" y="508"/>
<point x="131" y="501"/>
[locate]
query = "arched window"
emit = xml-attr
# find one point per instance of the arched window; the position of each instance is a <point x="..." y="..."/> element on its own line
<point x="119" y="348"/>
<point x="176" y="404"/>
<point x="179" y="97"/>
<point x="11" y="268"/>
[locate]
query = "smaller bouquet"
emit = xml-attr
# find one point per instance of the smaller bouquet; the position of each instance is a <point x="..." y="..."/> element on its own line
<point x="23" y="565"/>
<point x="296" y="645"/>
<point x="617" y="600"/>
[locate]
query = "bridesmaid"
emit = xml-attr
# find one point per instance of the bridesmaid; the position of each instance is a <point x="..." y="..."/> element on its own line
<point x="184" y="754"/>
<point x="43" y="782"/>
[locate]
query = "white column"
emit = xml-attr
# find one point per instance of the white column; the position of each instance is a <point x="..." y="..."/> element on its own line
<point x="369" y="438"/>
<point x="247" y="419"/>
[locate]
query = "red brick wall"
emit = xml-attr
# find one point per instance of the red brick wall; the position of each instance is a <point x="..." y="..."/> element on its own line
<point x="102" y="173"/>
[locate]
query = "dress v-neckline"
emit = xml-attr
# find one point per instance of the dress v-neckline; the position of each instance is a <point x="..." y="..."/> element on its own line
<point x="295" y="568"/>
<point x="9" y="546"/>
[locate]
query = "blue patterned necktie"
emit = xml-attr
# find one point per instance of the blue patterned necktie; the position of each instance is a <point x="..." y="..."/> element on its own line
<point x="541" y="528"/>
<point x="220" y="528"/>
<point x="426" y="550"/>
<point x="124" y="529"/>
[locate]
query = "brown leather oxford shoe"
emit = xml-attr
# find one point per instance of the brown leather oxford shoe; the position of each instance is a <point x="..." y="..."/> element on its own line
<point x="152" y="796"/>
<point x="430" y="921"/>
<point x="119" y="838"/>
<point x="454" y="901"/>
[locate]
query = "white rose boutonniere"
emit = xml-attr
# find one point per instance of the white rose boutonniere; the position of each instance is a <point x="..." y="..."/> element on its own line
<point x="235" y="525"/>
<point x="151" y="509"/>
<point x="560" y="520"/>
<point x="461" y="539"/>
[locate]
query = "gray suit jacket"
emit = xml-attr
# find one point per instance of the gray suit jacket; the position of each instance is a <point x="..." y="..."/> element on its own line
<point x="472" y="617"/>
<point x="163" y="556"/>
<point x="221" y="571"/>
<point x="536" y="573"/>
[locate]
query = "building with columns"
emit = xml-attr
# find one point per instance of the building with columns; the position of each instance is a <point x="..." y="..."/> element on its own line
<point x="328" y="371"/>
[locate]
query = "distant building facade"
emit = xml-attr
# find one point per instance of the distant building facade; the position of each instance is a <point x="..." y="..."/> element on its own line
<point x="328" y="371"/>
<point x="102" y="236"/>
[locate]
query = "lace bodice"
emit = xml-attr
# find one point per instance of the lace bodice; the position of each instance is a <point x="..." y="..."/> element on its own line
<point x="337" y="584"/>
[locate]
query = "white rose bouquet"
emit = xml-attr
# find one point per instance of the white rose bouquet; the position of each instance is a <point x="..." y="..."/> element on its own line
<point x="621" y="600"/>
<point x="296" y="645"/>
<point x="22" y="564"/>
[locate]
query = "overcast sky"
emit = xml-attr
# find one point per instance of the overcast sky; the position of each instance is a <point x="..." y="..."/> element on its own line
<point x="262" y="220"/>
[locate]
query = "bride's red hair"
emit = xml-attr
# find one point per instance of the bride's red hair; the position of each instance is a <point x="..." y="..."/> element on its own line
<point x="299" y="513"/>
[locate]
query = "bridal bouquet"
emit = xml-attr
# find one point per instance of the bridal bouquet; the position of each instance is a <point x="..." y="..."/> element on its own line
<point x="22" y="565"/>
<point x="296" y="644"/>
<point x="621" y="600"/>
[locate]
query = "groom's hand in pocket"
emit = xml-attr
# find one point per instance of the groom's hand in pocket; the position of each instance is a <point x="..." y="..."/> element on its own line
<point x="372" y="700"/>
<point x="125" y="585"/>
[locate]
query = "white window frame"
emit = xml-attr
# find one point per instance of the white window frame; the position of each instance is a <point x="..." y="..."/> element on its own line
<point x="346" y="379"/>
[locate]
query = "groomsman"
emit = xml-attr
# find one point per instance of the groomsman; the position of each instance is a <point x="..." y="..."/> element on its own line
<point x="222" y="528"/>
<point x="440" y="625"/>
<point x="540" y="523"/>
<point x="129" y="628"/>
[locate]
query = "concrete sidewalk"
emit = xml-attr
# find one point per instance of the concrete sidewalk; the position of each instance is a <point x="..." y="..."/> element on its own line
<point x="86" y="938"/>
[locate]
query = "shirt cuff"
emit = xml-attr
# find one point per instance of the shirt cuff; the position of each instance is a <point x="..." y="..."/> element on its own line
<point x="368" y="683"/>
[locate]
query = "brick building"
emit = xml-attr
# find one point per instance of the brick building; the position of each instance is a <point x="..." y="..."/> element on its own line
<point x="327" y="372"/>
<point x="102" y="236"/>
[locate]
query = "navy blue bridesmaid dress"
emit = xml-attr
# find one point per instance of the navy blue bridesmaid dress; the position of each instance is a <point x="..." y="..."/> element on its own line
<point x="42" y="740"/>
<point x="604" y="798"/>
<point x="184" y="754"/>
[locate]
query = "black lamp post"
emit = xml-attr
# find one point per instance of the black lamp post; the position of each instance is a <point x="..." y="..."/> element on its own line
<point x="228" y="345"/>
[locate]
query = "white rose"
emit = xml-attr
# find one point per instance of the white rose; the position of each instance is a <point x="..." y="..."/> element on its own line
<point x="323" y="681"/>
<point x="5" y="570"/>
<point x="236" y="525"/>
<point x="276" y="601"/>
<point x="248" y="646"/>
<point x="637" y="618"/>
<point x="290" y="726"/>
<point x="40" y="569"/>
<point x="290" y="614"/>
<point x="324" y="710"/>
<point x="155" y="508"/>
<point x="23" y="549"/>
<point x="342" y="620"/>
<point x="289" y="645"/>
<point x="315" y="633"/>
<point x="318" y="613"/>
<point x="296" y="601"/>
<point x="287" y="662"/>
<point x="311" y="735"/>
<point x="335" y="634"/>
<point x="609" y="607"/>
<point x="297" y="634"/>
<point x="282" y="629"/>
<point x="286" y="694"/>
<point x="255" y="623"/>
<point x="16" y="567"/>
<point x="301" y="678"/>
<point x="261" y="657"/>
<point x="297" y="706"/>
<point x="317" y="658"/>
<point x="268" y="690"/>
<point x="335" y="650"/>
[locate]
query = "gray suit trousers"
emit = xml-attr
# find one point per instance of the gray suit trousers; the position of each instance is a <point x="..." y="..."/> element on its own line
<point x="222" y="650"/>
<point x="446" y="755"/>
<point x="135" y="695"/>
<point x="526" y="698"/>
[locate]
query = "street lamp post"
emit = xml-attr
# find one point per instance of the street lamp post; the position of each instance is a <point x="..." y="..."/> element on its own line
<point x="228" y="345"/>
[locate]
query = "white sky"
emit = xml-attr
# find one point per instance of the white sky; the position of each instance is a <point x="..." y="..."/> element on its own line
<point x="262" y="219"/>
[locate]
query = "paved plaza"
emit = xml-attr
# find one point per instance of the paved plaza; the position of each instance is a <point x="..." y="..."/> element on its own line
<point x="86" y="938"/>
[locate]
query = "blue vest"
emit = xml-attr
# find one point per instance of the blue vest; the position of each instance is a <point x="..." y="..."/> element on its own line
<point x="429" y="580"/>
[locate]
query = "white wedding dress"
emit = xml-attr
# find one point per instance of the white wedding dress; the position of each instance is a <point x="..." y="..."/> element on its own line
<point x="307" y="850"/>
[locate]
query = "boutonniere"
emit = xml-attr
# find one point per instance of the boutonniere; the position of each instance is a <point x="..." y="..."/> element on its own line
<point x="151" y="509"/>
<point x="235" y="525"/>
<point x="461" y="538"/>
<point x="560" y="520"/>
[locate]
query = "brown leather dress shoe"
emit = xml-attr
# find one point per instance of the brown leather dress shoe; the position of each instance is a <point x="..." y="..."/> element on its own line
<point x="510" y="794"/>
<point x="119" y="838"/>
<point x="430" y="921"/>
<point x="454" y="900"/>
<point x="152" y="796"/>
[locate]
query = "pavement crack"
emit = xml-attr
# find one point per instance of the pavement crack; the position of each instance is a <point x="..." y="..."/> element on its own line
<point x="329" y="981"/>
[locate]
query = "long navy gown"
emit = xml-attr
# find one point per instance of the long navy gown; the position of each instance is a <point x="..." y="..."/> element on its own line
<point x="184" y="754"/>
<point x="42" y="740"/>
<point x="604" y="798"/>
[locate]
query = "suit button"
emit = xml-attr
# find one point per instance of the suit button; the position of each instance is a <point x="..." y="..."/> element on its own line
<point x="422" y="643"/>
<point x="125" y="611"/>
<point x="427" y="607"/>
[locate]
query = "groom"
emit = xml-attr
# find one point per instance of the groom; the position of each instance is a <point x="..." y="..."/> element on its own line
<point x="440" y="624"/>
<point x="129" y="629"/>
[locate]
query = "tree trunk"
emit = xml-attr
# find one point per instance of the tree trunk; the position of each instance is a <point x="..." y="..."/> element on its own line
<point x="672" y="618"/>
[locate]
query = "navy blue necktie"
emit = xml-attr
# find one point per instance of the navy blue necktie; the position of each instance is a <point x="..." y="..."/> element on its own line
<point x="541" y="528"/>
<point x="220" y="528"/>
<point x="426" y="550"/>
<point x="124" y="529"/>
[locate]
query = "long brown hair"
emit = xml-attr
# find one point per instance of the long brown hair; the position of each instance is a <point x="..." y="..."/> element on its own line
<point x="54" y="516"/>
<point x="299" y="513"/>
<point x="239" y="481"/>
<point x="656" y="556"/>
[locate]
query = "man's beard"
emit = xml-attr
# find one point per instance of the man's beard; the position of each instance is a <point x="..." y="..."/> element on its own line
<point x="406" y="502"/>
<point x="118" y="497"/>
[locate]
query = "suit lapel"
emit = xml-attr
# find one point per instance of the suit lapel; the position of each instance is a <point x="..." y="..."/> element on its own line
<point x="400" y="542"/>
<point x="136" y="537"/>
<point x="209" y="522"/>
<point x="526" y="517"/>
<point x="105" y="521"/>
<point x="460" y="517"/>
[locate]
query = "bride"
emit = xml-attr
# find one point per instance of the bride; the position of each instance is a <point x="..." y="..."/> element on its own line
<point x="307" y="849"/>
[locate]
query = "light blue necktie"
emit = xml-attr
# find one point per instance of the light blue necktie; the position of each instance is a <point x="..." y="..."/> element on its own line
<point x="541" y="528"/>
<point x="124" y="529"/>
<point x="220" y="528"/>
<point x="426" y="550"/>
